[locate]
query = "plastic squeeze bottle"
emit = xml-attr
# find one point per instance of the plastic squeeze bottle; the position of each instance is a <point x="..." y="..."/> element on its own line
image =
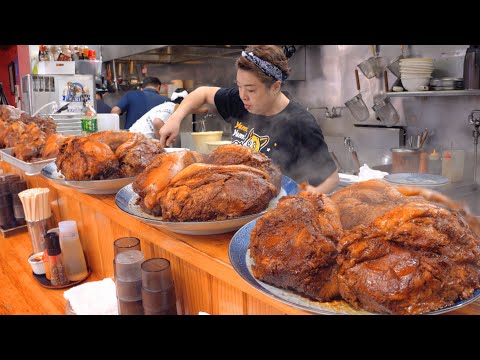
<point x="73" y="256"/>
<point x="447" y="165"/>
<point x="434" y="163"/>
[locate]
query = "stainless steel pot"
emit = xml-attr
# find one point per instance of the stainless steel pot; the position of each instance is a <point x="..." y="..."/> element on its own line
<point x="405" y="160"/>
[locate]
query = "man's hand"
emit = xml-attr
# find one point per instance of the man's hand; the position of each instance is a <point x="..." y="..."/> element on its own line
<point x="168" y="133"/>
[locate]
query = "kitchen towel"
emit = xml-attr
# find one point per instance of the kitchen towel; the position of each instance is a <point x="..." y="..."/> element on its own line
<point x="365" y="173"/>
<point x="93" y="298"/>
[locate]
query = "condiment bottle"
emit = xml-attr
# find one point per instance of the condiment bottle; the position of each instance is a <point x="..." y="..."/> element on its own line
<point x="434" y="163"/>
<point x="74" y="259"/>
<point x="89" y="121"/>
<point x="46" y="264"/>
<point x="447" y="165"/>
<point x="423" y="167"/>
<point x="58" y="276"/>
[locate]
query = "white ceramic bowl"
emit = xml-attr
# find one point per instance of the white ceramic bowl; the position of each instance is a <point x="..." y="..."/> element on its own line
<point x="213" y="145"/>
<point x="37" y="264"/>
<point x="201" y="138"/>
<point x="415" y="84"/>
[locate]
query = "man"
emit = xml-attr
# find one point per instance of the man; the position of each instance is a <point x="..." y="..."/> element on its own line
<point x="151" y="123"/>
<point x="137" y="102"/>
<point x="264" y="119"/>
<point x="102" y="108"/>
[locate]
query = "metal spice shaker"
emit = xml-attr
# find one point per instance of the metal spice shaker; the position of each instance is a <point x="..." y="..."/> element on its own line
<point x="58" y="275"/>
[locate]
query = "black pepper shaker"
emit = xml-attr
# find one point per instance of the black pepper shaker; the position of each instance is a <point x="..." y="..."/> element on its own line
<point x="58" y="276"/>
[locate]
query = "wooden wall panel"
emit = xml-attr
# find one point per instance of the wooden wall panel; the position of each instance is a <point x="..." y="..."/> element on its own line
<point x="256" y="307"/>
<point x="226" y="300"/>
<point x="194" y="286"/>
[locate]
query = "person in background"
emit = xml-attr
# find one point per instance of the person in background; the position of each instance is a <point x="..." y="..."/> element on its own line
<point x="263" y="118"/>
<point x="137" y="102"/>
<point x="102" y="108"/>
<point x="150" y="123"/>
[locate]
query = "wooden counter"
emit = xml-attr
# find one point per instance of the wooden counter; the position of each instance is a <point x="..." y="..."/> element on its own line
<point x="20" y="293"/>
<point x="204" y="278"/>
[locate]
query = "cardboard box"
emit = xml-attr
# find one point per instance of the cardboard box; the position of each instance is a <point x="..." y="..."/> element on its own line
<point x="56" y="67"/>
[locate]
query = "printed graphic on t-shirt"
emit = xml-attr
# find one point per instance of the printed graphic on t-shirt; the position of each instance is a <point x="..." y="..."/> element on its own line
<point x="252" y="140"/>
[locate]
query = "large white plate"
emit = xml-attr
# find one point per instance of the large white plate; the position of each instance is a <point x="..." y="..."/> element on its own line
<point x="30" y="168"/>
<point x="86" y="186"/>
<point x="239" y="255"/>
<point x="416" y="179"/>
<point x="126" y="199"/>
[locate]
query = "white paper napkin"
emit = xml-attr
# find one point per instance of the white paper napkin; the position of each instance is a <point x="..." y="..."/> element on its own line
<point x="365" y="173"/>
<point x="93" y="298"/>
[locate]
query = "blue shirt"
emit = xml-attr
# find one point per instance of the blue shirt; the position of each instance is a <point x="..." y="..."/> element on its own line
<point x="136" y="103"/>
<point x="103" y="108"/>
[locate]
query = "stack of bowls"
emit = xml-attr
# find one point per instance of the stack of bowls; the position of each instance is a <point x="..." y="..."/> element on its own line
<point x="415" y="73"/>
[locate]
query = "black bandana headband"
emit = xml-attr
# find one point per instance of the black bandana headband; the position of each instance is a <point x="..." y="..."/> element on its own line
<point x="268" y="68"/>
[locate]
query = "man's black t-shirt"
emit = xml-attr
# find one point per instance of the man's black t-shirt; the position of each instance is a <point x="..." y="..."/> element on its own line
<point x="291" y="138"/>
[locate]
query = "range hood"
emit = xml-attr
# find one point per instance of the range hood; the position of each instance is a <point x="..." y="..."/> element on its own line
<point x="168" y="54"/>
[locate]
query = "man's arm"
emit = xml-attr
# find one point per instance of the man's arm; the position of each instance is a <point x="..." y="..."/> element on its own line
<point x="116" y="110"/>
<point x="325" y="187"/>
<point x="195" y="100"/>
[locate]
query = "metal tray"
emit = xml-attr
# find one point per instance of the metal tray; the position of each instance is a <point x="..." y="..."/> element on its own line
<point x="30" y="168"/>
<point x="12" y="231"/>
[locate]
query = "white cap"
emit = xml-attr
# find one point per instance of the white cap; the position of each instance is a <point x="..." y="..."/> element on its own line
<point x="182" y="94"/>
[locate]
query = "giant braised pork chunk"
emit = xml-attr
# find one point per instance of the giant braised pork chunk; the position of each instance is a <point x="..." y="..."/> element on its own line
<point x="203" y="192"/>
<point x="85" y="159"/>
<point x="415" y="258"/>
<point x="155" y="178"/>
<point x="363" y="202"/>
<point x="404" y="253"/>
<point x="112" y="138"/>
<point x="136" y="153"/>
<point x="294" y="245"/>
<point x="240" y="155"/>
<point x="54" y="143"/>
<point x="29" y="145"/>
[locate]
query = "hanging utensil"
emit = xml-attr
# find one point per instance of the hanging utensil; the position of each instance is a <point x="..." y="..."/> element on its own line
<point x="109" y="72"/>
<point x="385" y="79"/>
<point x="133" y="80"/>
<point x="372" y="66"/>
<point x="356" y="105"/>
<point x="120" y="77"/>
<point x="394" y="65"/>
<point x="386" y="112"/>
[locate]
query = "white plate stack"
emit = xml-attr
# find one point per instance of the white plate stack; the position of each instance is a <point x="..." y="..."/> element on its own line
<point x="415" y="73"/>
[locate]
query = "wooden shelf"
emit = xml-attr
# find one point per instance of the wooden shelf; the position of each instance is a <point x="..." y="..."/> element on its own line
<point x="433" y="93"/>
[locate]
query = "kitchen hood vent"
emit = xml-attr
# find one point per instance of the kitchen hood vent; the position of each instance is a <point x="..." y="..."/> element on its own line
<point x="171" y="54"/>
